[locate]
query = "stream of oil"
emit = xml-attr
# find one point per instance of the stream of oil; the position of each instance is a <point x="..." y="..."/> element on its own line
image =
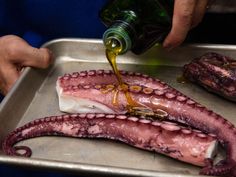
<point x="112" y="51"/>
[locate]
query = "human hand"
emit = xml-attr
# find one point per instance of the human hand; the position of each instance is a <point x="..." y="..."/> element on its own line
<point x="15" y="54"/>
<point x="187" y="15"/>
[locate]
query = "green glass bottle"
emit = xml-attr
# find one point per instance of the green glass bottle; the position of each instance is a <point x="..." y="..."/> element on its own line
<point x="136" y="25"/>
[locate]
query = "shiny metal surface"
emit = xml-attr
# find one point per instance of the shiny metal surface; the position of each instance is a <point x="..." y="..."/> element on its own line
<point x="34" y="96"/>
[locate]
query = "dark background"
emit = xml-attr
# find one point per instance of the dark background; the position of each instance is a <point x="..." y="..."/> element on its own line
<point x="217" y="27"/>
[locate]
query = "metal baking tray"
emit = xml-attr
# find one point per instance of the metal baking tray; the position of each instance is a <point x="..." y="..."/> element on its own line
<point x="34" y="96"/>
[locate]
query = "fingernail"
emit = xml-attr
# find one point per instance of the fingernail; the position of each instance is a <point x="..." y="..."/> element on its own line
<point x="168" y="46"/>
<point x="50" y="55"/>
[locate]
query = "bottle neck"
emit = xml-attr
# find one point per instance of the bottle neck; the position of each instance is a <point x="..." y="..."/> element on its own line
<point x="121" y="35"/>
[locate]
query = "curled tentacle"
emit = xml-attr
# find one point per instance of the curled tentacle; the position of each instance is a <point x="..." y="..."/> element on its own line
<point x="152" y="95"/>
<point x="97" y="92"/>
<point x="224" y="167"/>
<point x="164" y="137"/>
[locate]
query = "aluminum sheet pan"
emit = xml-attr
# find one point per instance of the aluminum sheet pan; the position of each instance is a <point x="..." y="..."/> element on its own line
<point x="34" y="96"/>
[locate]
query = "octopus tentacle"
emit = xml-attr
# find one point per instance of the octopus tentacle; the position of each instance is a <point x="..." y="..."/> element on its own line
<point x="108" y="77"/>
<point x="179" y="108"/>
<point x="164" y="137"/>
<point x="215" y="72"/>
<point x="222" y="168"/>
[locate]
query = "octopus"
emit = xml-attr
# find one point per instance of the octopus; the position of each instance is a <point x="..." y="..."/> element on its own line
<point x="147" y="114"/>
<point x="214" y="72"/>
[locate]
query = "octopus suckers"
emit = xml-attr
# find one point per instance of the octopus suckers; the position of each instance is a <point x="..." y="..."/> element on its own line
<point x="170" y="95"/>
<point x="170" y="127"/>
<point x="181" y="98"/>
<point x="145" y="121"/>
<point x="82" y="74"/>
<point x="90" y="116"/>
<point x="201" y="135"/>
<point x="190" y="102"/>
<point x="100" y="115"/>
<point x="159" y="92"/>
<point x="132" y="118"/>
<point x="91" y="72"/>
<point x="82" y="115"/>
<point x="147" y="91"/>
<point x="135" y="88"/>
<point x="155" y="123"/>
<point x="186" y="131"/>
<point x="110" y="116"/>
<point x="121" y="116"/>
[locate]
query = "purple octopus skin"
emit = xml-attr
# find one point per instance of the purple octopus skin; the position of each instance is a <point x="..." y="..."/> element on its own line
<point x="184" y="144"/>
<point x="100" y="87"/>
<point x="97" y="91"/>
<point x="215" y="72"/>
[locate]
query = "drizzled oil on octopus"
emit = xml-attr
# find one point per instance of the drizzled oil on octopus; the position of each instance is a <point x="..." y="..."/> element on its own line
<point x="173" y="124"/>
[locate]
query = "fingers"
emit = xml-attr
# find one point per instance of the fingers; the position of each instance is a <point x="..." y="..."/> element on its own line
<point x="8" y="76"/>
<point x="30" y="56"/>
<point x="199" y="12"/>
<point x="181" y="23"/>
<point x="15" y="54"/>
<point x="40" y="58"/>
<point x="187" y="14"/>
<point x="21" y="53"/>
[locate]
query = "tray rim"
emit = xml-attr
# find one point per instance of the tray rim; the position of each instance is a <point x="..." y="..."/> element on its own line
<point x="81" y="167"/>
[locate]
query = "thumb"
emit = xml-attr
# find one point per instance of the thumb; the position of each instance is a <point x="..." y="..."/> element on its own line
<point x="34" y="57"/>
<point x="20" y="52"/>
